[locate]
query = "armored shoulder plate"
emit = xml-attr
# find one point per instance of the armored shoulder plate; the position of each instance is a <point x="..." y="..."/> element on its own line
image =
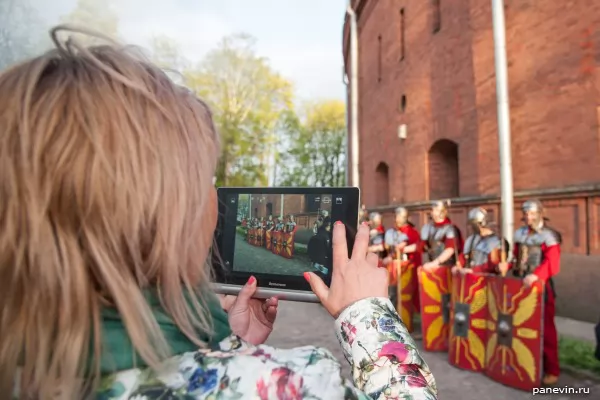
<point x="492" y="242"/>
<point x="551" y="236"/>
<point x="469" y="243"/>
<point x="449" y="231"/>
<point x="394" y="237"/>
<point x="521" y="234"/>
<point x="426" y="231"/>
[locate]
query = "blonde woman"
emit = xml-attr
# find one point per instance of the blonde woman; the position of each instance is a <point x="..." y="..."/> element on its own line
<point x="107" y="211"/>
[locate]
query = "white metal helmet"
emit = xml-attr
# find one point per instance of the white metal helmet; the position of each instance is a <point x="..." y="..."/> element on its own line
<point x="478" y="216"/>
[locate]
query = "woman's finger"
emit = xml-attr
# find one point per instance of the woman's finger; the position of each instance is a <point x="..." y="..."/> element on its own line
<point x="270" y="302"/>
<point x="373" y="259"/>
<point x="340" y="246"/>
<point x="361" y="243"/>
<point x="246" y="293"/>
<point x="318" y="287"/>
<point x="271" y="313"/>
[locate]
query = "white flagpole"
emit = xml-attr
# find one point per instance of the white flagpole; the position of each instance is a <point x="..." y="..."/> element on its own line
<point x="353" y="93"/>
<point x="504" y="146"/>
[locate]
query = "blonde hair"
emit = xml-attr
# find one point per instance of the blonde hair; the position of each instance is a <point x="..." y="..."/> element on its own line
<point x="105" y="180"/>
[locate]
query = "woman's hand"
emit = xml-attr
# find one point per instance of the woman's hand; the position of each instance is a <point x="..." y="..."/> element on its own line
<point x="251" y="319"/>
<point x="352" y="279"/>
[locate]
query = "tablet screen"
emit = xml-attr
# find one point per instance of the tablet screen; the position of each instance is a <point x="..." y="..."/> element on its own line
<point x="281" y="234"/>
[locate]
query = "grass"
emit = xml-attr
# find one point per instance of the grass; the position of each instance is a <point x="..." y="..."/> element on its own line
<point x="578" y="354"/>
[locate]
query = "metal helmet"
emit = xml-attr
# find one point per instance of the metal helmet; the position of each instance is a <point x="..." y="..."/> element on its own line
<point x="478" y="216"/>
<point x="402" y="215"/>
<point x="443" y="204"/>
<point x="375" y="216"/>
<point x="533" y="205"/>
<point x="537" y="208"/>
<point x="324" y="213"/>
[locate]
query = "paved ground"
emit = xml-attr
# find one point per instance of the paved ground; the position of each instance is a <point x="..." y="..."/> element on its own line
<point x="309" y="324"/>
<point x="576" y="329"/>
<point x="258" y="259"/>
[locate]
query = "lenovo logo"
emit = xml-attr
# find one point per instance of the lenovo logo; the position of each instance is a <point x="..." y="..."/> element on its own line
<point x="277" y="284"/>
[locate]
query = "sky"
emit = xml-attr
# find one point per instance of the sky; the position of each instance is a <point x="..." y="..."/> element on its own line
<point x="301" y="38"/>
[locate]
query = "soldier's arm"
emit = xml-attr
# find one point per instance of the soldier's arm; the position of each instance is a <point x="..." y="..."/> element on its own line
<point x="414" y="240"/>
<point x="462" y="260"/>
<point x="446" y="254"/>
<point x="376" y="247"/>
<point x="550" y="265"/>
<point x="491" y="266"/>
<point x="411" y="248"/>
<point x="450" y="244"/>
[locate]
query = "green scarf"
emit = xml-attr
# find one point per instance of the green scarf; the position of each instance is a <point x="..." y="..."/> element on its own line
<point x="118" y="352"/>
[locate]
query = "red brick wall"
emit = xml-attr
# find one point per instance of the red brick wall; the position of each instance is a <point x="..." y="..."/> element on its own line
<point x="449" y="82"/>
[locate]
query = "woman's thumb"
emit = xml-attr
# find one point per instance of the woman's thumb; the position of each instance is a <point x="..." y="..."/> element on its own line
<point x="317" y="285"/>
<point x="247" y="291"/>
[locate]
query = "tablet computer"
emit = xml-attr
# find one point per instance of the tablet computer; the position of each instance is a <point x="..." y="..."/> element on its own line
<point x="277" y="234"/>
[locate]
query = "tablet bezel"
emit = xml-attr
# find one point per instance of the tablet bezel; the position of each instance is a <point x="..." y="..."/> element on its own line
<point x="229" y="278"/>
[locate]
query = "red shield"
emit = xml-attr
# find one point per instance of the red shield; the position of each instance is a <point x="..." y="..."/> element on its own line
<point x="434" y="292"/>
<point x="251" y="236"/>
<point x="276" y="247"/>
<point x="287" y="245"/>
<point x="514" y="348"/>
<point x="468" y="319"/>
<point x="268" y="240"/>
<point x="406" y="291"/>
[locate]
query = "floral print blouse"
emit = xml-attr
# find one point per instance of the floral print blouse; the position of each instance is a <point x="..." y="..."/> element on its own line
<point x="384" y="359"/>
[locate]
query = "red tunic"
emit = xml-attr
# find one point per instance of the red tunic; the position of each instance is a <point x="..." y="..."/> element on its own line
<point x="490" y="267"/>
<point x="549" y="267"/>
<point x="413" y="238"/>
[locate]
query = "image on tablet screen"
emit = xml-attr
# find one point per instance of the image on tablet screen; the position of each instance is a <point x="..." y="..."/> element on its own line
<point x="284" y="234"/>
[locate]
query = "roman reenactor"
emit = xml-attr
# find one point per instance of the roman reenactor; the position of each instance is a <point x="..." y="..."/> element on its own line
<point x="319" y="248"/>
<point x="537" y="258"/>
<point x="270" y="224"/>
<point x="482" y="250"/>
<point x="377" y="235"/>
<point x="402" y="243"/>
<point x="363" y="214"/>
<point x="440" y="238"/>
<point x="279" y="225"/>
<point x="290" y="226"/>
<point x="322" y="214"/>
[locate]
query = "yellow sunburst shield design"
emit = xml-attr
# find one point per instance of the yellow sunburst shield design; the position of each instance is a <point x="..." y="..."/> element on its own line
<point x="514" y="348"/>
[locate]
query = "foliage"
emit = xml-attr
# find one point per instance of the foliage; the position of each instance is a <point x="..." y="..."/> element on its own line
<point x="249" y="100"/>
<point x="21" y="31"/>
<point x="578" y="354"/>
<point x="94" y="15"/>
<point x="315" y="152"/>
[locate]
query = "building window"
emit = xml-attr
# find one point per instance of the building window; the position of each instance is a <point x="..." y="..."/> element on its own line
<point x="403" y="104"/>
<point x="402" y="34"/>
<point x="379" y="58"/>
<point x="382" y="184"/>
<point x="437" y="16"/>
<point x="443" y="170"/>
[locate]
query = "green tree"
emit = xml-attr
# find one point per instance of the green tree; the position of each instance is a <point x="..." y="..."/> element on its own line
<point x="315" y="152"/>
<point x="248" y="99"/>
<point x="21" y="31"/>
<point x="97" y="16"/>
